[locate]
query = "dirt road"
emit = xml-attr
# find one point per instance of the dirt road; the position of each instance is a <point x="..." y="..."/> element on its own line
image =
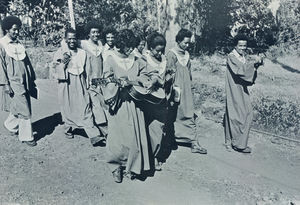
<point x="62" y="171"/>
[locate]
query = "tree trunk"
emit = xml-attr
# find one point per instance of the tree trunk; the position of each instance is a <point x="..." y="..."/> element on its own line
<point x="72" y="19"/>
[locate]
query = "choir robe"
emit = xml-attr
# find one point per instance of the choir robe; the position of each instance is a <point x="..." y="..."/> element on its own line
<point x="181" y="116"/>
<point x="106" y="51"/>
<point x="155" y="114"/>
<point x="72" y="91"/>
<point x="95" y="71"/>
<point x="240" y="74"/>
<point x="16" y="70"/>
<point x="127" y="143"/>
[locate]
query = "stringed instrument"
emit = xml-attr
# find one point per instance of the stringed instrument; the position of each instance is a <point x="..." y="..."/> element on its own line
<point x="136" y="91"/>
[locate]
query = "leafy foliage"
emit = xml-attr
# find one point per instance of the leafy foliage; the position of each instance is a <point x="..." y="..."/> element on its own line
<point x="43" y="23"/>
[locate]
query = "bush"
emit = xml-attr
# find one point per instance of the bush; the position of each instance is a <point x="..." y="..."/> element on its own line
<point x="277" y="116"/>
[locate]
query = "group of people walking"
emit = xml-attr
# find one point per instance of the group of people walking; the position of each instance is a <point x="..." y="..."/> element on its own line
<point x="136" y="101"/>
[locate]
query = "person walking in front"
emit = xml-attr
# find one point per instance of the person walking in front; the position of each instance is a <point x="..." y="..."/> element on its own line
<point x="71" y="65"/>
<point x="153" y="78"/>
<point x="16" y="82"/>
<point x="181" y="116"/>
<point x="127" y="145"/>
<point x="240" y="74"/>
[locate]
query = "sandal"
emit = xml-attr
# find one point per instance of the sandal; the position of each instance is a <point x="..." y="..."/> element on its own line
<point x="158" y="165"/>
<point x="130" y="175"/>
<point x="196" y="148"/>
<point x="246" y="150"/>
<point x="69" y="135"/>
<point x="117" y="174"/>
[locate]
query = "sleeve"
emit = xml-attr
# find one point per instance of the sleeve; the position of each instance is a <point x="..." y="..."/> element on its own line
<point x="110" y="90"/>
<point x="189" y="66"/>
<point x="170" y="73"/>
<point x="32" y="76"/>
<point x="58" y="66"/>
<point x="242" y="71"/>
<point x="171" y="63"/>
<point x="88" y="69"/>
<point x="3" y="69"/>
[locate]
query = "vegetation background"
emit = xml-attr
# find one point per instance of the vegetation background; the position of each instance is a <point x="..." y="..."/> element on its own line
<point x="272" y="25"/>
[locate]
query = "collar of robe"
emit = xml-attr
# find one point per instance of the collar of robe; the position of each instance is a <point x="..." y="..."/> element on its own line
<point x="124" y="63"/>
<point x="77" y="62"/>
<point x="107" y="47"/>
<point x="182" y="59"/>
<point x="13" y="49"/>
<point x="159" y="66"/>
<point x="91" y="47"/>
<point x="238" y="56"/>
<point x="137" y="53"/>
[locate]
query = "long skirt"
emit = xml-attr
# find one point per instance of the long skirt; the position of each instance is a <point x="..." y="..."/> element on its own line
<point x="127" y="140"/>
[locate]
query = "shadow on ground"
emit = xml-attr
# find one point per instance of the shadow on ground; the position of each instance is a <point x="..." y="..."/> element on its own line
<point x="46" y="126"/>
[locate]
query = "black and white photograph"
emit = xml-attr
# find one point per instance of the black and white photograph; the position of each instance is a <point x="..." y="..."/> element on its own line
<point x="150" y="102"/>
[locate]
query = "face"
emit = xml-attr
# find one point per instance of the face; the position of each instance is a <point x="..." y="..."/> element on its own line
<point x="241" y="47"/>
<point x="94" y="34"/>
<point x="141" y="46"/>
<point x="127" y="51"/>
<point x="71" y="41"/>
<point x="13" y="32"/>
<point x="157" y="51"/>
<point x="185" y="43"/>
<point x="110" y="38"/>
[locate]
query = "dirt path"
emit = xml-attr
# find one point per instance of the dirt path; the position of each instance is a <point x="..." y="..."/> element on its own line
<point x="62" y="171"/>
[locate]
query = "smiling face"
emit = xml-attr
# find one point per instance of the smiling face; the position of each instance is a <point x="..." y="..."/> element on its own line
<point x="157" y="51"/>
<point x="110" y="39"/>
<point x="185" y="43"/>
<point x="141" y="46"/>
<point x="241" y="47"/>
<point x="94" y="34"/>
<point x="71" y="41"/>
<point x="13" y="32"/>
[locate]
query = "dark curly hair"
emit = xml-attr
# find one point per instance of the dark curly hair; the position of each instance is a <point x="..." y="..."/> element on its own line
<point x="240" y="37"/>
<point x="107" y="30"/>
<point x="9" y="21"/>
<point x="92" y="24"/>
<point x="125" y="38"/>
<point x="183" y="33"/>
<point x="138" y="40"/>
<point x="155" y="39"/>
<point x="70" y="30"/>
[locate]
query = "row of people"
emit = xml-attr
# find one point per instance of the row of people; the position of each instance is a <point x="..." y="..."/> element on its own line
<point x="96" y="88"/>
<point x="135" y="127"/>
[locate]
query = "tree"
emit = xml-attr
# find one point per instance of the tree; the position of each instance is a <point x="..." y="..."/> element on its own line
<point x="288" y="18"/>
<point x="207" y="19"/>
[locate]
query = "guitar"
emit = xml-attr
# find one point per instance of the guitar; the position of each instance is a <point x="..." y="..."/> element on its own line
<point x="136" y="91"/>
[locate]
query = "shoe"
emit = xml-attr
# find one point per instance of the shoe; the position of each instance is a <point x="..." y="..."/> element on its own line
<point x="130" y="175"/>
<point x="227" y="147"/>
<point x="98" y="141"/>
<point x="69" y="135"/>
<point x="117" y="175"/>
<point x="158" y="166"/>
<point x="246" y="150"/>
<point x="31" y="143"/>
<point x="196" y="148"/>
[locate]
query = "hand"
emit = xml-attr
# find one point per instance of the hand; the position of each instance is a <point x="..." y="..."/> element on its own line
<point x="9" y="90"/>
<point x="66" y="58"/>
<point x="259" y="58"/>
<point x="124" y="83"/>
